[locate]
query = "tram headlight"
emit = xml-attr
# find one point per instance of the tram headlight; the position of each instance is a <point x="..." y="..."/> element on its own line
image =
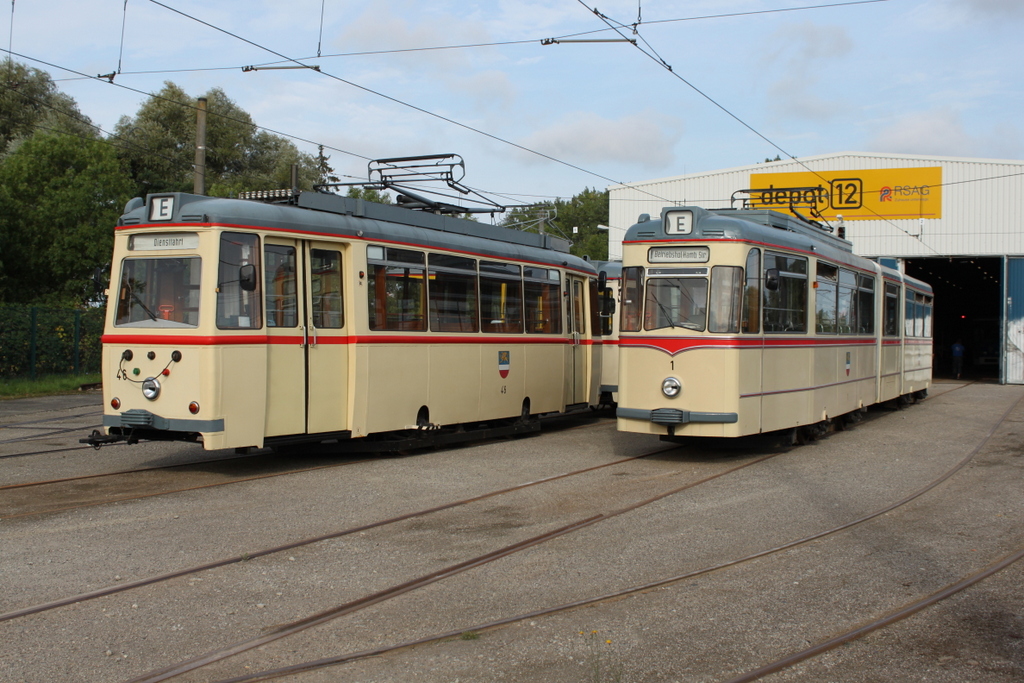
<point x="151" y="388"/>
<point x="671" y="387"/>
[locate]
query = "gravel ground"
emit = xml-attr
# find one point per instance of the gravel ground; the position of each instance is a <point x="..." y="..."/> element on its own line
<point x="703" y="628"/>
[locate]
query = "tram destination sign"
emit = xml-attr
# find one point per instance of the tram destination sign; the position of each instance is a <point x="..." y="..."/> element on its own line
<point x="678" y="255"/>
<point x="866" y="194"/>
<point x="158" y="242"/>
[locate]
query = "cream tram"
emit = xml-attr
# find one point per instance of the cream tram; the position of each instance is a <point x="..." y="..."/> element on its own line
<point x="316" y="317"/>
<point x="737" y="322"/>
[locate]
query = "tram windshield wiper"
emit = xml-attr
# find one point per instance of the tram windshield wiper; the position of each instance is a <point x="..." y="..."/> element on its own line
<point x="136" y="299"/>
<point x="664" y="310"/>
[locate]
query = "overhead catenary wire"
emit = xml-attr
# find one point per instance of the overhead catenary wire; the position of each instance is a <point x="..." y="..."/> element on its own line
<point x="657" y="58"/>
<point x="409" y="105"/>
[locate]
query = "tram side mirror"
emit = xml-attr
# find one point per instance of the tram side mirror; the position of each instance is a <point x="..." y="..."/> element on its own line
<point x="97" y="279"/>
<point x="247" y="277"/>
<point x="771" y="279"/>
<point x="602" y="281"/>
<point x="607" y="306"/>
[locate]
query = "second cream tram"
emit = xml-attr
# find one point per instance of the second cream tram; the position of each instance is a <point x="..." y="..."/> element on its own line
<point x="316" y="317"/>
<point x="737" y="322"/>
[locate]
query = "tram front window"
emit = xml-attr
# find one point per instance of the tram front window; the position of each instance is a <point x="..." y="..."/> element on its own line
<point x="676" y="302"/>
<point x="159" y="292"/>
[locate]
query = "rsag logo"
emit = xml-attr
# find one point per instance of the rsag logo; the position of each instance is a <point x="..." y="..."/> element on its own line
<point x="885" y="194"/>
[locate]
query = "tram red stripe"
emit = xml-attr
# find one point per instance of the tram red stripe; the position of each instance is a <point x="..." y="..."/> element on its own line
<point x="260" y="339"/>
<point x="675" y="345"/>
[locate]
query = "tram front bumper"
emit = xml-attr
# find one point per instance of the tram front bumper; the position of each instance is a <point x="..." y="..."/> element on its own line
<point x="135" y="425"/>
<point x="670" y="417"/>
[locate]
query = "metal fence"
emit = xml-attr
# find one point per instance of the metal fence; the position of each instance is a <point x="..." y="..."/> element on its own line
<point x="49" y="341"/>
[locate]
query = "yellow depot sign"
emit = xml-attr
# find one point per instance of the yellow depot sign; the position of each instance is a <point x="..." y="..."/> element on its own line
<point x="890" y="193"/>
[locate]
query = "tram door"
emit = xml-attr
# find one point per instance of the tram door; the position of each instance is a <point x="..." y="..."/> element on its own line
<point x="579" y="350"/>
<point x="307" y="350"/>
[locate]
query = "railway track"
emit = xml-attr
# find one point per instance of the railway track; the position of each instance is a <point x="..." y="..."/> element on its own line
<point x="286" y="630"/>
<point x="282" y="631"/>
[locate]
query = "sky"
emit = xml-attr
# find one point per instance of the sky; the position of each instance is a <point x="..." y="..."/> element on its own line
<point x="534" y="121"/>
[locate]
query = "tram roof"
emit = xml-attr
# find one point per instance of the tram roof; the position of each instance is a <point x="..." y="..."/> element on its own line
<point x="739" y="224"/>
<point x="326" y="214"/>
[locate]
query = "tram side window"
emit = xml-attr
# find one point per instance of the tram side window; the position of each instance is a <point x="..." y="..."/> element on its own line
<point x="632" y="299"/>
<point x="501" y="298"/>
<point x="159" y="292"/>
<point x="325" y="287"/>
<point x="846" y="310"/>
<point x="909" y="315"/>
<point x="596" y="322"/>
<point x="726" y="295"/>
<point x="922" y="306"/>
<point x="239" y="301"/>
<point x="750" y="318"/>
<point x="825" y="298"/>
<point x="785" y="308"/>
<point x="865" y="304"/>
<point x="395" y="289"/>
<point x="279" y="282"/>
<point x="452" y="293"/>
<point x="543" y="303"/>
<point x="892" y="310"/>
<point x="927" y="306"/>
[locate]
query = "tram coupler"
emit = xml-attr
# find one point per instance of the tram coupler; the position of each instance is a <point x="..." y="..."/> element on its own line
<point x="98" y="438"/>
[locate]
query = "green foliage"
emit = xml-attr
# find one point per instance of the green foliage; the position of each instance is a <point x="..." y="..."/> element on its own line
<point x="585" y="211"/>
<point x="30" y="101"/>
<point x="370" y="195"/>
<point x="160" y="147"/>
<point x="61" y="195"/>
<point x="52" y="343"/>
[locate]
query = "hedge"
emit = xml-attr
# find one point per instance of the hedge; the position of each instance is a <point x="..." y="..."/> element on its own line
<point x="49" y="341"/>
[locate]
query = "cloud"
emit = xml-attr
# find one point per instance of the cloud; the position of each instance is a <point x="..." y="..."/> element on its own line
<point x="941" y="132"/>
<point x="800" y="50"/>
<point x="646" y="139"/>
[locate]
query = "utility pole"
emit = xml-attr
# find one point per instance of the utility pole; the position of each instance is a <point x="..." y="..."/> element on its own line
<point x="199" y="183"/>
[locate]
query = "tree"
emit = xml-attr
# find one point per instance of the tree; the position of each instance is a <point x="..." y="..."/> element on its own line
<point x="61" y="195"/>
<point x="159" y="147"/>
<point x="584" y="212"/>
<point x="370" y="195"/>
<point x="30" y="101"/>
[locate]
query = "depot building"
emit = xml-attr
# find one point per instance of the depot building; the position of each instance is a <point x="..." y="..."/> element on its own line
<point x="957" y="224"/>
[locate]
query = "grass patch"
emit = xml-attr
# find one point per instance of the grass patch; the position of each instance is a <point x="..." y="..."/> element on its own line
<point x="48" y="385"/>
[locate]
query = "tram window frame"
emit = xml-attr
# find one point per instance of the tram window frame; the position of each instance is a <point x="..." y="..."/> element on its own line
<point x="239" y="287"/>
<point x="452" y="293"/>
<point x="396" y="289"/>
<point x="826" y="298"/>
<point x="928" y="305"/>
<point x="632" y="298"/>
<point x="139" y="298"/>
<point x="662" y="308"/>
<point x="846" y="308"/>
<point x="596" y="325"/>
<point x="891" y="323"/>
<point x="725" y="299"/>
<point x="501" y="298"/>
<point x="750" y="317"/>
<point x="280" y="275"/>
<point x="909" y="313"/>
<point x="327" y="289"/>
<point x="786" y="307"/>
<point x="542" y="300"/>
<point x="865" y="304"/>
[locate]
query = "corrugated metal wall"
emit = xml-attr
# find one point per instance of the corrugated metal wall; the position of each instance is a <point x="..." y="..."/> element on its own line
<point x="982" y="210"/>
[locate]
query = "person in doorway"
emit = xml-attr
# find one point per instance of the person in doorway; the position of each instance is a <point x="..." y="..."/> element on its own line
<point x="958" y="358"/>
